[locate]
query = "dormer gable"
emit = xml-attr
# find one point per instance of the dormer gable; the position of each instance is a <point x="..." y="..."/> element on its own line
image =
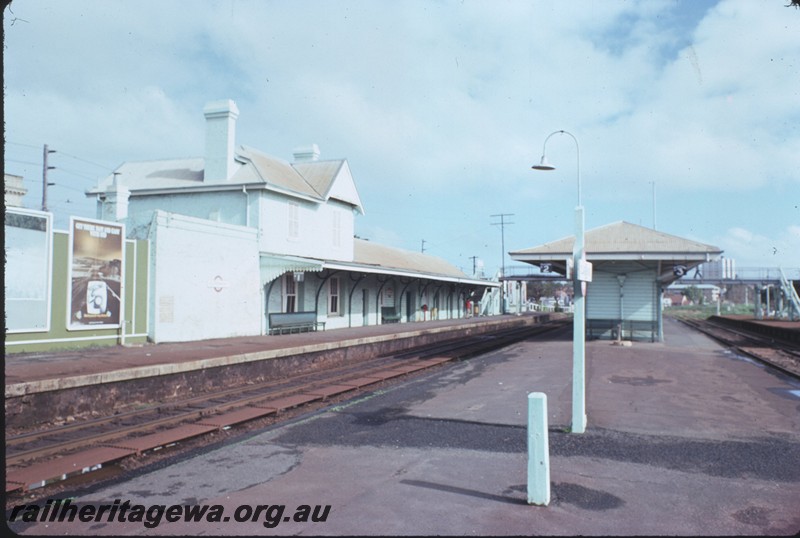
<point x="331" y="179"/>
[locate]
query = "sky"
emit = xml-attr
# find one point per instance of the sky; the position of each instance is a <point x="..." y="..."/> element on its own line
<point x="685" y="113"/>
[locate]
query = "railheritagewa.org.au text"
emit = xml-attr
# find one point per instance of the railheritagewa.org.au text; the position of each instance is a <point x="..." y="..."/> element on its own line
<point x="268" y="515"/>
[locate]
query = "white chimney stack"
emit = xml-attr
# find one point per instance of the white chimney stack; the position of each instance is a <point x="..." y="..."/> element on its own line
<point x="220" y="140"/>
<point x="114" y="206"/>
<point x="306" y="153"/>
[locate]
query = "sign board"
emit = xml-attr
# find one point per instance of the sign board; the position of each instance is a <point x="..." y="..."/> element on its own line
<point x="584" y="271"/>
<point x="28" y="269"/>
<point x="96" y="263"/>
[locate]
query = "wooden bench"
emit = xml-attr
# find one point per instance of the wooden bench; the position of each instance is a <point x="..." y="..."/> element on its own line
<point x="289" y="322"/>
<point x="389" y="315"/>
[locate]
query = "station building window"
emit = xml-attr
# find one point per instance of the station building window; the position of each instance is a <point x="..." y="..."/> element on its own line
<point x="333" y="296"/>
<point x="336" y="229"/>
<point x="289" y="293"/>
<point x="294" y="220"/>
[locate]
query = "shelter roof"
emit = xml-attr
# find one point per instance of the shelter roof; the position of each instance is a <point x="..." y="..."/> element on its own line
<point x="369" y="253"/>
<point x="375" y="258"/>
<point x="622" y="241"/>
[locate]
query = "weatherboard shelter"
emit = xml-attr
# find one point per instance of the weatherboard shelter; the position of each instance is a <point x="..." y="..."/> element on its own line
<point x="631" y="267"/>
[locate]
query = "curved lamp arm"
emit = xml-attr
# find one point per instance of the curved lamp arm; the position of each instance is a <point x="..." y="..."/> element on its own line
<point x="544" y="165"/>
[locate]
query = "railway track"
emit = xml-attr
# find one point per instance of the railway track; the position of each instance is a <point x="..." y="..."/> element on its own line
<point x="49" y="456"/>
<point x="783" y="356"/>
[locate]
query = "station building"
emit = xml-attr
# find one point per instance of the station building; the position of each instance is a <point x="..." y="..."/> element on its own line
<point x="237" y="236"/>
<point x="632" y="266"/>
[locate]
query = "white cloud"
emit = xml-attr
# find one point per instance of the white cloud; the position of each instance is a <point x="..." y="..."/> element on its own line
<point x="751" y="249"/>
<point x="449" y="100"/>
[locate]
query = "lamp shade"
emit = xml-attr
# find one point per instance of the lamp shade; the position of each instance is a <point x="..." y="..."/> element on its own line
<point x="543" y="165"/>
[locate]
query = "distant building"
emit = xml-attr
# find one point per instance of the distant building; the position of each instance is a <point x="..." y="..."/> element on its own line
<point x="709" y="293"/>
<point x="238" y="235"/>
<point x="721" y="269"/>
<point x="13" y="191"/>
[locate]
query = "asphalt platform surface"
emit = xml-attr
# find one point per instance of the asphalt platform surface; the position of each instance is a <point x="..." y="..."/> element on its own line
<point x="683" y="438"/>
<point x="33" y="367"/>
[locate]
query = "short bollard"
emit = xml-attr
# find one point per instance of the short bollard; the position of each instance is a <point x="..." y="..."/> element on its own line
<point x="538" y="450"/>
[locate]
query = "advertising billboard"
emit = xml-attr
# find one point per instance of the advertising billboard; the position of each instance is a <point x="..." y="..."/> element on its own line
<point x="96" y="264"/>
<point x="28" y="270"/>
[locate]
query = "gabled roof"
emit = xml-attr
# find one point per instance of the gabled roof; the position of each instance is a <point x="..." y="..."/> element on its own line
<point x="274" y="172"/>
<point x="331" y="179"/>
<point x="320" y="175"/>
<point x="315" y="180"/>
<point x="622" y="240"/>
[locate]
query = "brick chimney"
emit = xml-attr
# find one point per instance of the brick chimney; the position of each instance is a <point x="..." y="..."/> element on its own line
<point x="220" y="140"/>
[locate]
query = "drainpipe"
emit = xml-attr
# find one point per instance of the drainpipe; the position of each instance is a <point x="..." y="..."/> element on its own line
<point x="246" y="206"/>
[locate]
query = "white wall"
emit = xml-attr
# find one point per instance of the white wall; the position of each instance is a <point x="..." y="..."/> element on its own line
<point x="638" y="301"/>
<point x="229" y="207"/>
<point x="205" y="280"/>
<point x="315" y="228"/>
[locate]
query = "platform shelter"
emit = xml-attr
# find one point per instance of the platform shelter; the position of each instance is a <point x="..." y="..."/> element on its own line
<point x="632" y="265"/>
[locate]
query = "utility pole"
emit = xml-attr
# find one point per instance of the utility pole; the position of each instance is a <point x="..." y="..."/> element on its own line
<point x="45" y="168"/>
<point x="654" y="204"/>
<point x="473" y="258"/>
<point x="502" y="225"/>
<point x="423" y="246"/>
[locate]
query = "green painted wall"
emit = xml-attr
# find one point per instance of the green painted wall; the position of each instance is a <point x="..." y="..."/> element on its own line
<point x="135" y="282"/>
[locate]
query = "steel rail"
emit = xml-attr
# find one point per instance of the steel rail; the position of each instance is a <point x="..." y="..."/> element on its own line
<point x="382" y="368"/>
<point x="719" y="333"/>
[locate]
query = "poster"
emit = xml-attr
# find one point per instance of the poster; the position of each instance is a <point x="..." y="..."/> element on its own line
<point x="96" y="262"/>
<point x="28" y="270"/>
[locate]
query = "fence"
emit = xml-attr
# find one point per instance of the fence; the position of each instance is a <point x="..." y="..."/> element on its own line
<point x="66" y="290"/>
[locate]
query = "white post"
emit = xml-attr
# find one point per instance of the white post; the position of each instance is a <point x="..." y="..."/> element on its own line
<point x="579" y="332"/>
<point x="579" y="305"/>
<point x="538" y="450"/>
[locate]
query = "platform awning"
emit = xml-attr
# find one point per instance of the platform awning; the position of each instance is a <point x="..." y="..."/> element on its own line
<point x="272" y="266"/>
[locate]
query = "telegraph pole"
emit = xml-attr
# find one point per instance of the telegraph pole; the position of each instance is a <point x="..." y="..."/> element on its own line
<point x="473" y="258"/>
<point x="45" y="168"/>
<point x="502" y="225"/>
<point x="423" y="246"/>
<point x="654" y="204"/>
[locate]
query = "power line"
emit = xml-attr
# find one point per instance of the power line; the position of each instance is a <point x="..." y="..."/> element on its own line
<point x="65" y="154"/>
<point x="73" y="172"/>
<point x="502" y="225"/>
<point x="68" y="187"/>
<point x="106" y="168"/>
<point x="23" y="145"/>
<point x="22" y="162"/>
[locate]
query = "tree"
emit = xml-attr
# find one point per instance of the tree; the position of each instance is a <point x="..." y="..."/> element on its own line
<point x="694" y="294"/>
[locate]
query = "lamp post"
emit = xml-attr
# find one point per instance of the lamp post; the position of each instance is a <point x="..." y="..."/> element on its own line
<point x="579" y="276"/>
